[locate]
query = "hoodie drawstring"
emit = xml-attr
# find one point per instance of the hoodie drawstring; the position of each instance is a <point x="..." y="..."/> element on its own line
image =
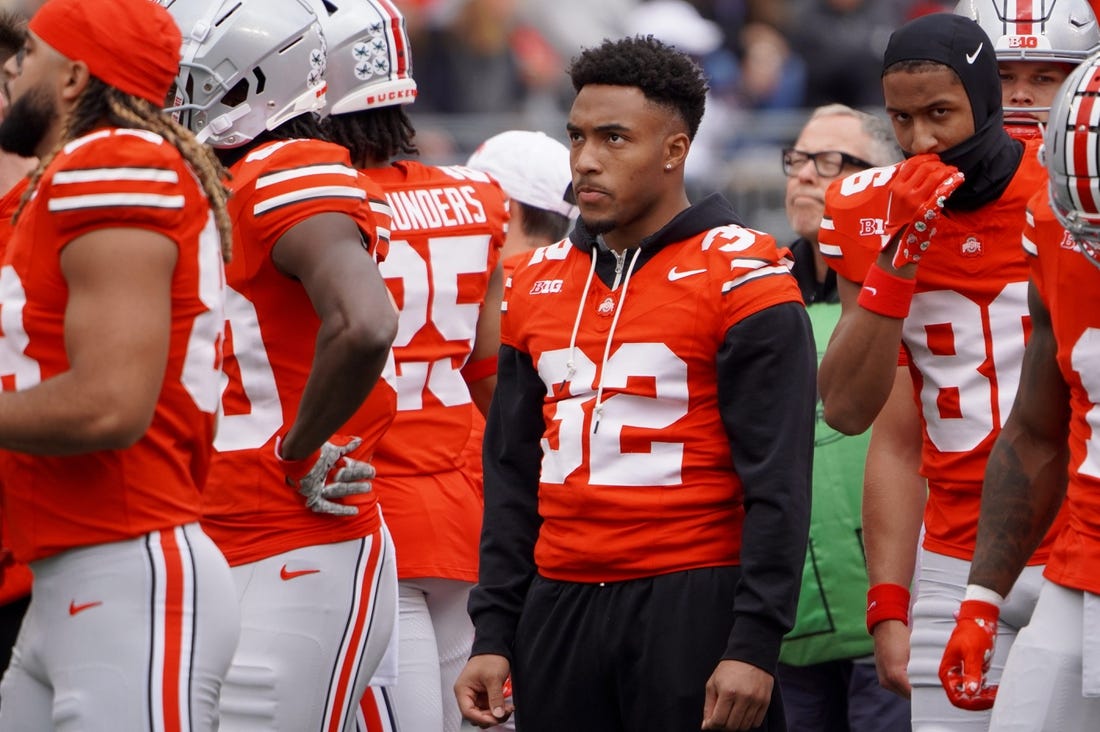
<point x="570" y="366"/>
<point x="597" y="411"/>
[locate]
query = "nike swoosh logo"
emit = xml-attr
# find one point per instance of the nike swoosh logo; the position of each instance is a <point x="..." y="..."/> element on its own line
<point x="674" y="275"/>
<point x="287" y="574"/>
<point x="872" y="290"/>
<point x="74" y="608"/>
<point x="972" y="57"/>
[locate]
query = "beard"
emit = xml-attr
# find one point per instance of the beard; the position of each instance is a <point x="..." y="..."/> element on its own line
<point x="596" y="227"/>
<point x="26" y="122"/>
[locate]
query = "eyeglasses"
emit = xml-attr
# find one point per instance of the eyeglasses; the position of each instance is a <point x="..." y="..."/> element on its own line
<point x="828" y="163"/>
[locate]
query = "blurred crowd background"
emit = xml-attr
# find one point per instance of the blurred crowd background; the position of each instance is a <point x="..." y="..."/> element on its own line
<point x="484" y="66"/>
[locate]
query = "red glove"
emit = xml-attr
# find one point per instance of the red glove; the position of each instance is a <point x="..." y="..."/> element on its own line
<point x="328" y="474"/>
<point x="917" y="196"/>
<point x="967" y="655"/>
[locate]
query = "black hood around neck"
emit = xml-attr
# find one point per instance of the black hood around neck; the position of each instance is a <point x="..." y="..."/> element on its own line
<point x="989" y="158"/>
<point x="712" y="211"/>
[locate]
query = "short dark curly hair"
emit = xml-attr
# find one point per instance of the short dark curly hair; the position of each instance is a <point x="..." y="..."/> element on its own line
<point x="665" y="75"/>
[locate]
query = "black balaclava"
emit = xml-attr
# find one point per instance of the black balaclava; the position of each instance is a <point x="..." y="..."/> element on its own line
<point x="989" y="157"/>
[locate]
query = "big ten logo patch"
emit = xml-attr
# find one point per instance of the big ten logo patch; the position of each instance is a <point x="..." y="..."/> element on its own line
<point x="871" y="227"/>
<point x="546" y="287"/>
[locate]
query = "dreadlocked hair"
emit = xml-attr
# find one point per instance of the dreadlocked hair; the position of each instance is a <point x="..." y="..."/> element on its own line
<point x="664" y="75"/>
<point x="99" y="101"/>
<point x="372" y="134"/>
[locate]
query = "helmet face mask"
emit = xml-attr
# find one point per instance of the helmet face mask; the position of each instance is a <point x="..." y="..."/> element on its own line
<point x="1072" y="157"/>
<point x="369" y="57"/>
<point x="1050" y="31"/>
<point x="247" y="66"/>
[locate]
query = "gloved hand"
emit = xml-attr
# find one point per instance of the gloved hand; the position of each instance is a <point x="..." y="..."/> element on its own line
<point x="967" y="655"/>
<point x="918" y="193"/>
<point x="328" y="474"/>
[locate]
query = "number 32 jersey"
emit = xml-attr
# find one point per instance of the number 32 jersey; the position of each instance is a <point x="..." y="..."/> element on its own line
<point x="964" y="336"/>
<point x="637" y="475"/>
<point x="111" y="178"/>
<point x="248" y="509"/>
<point x="1069" y="286"/>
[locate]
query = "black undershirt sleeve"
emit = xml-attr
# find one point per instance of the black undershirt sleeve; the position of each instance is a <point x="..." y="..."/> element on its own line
<point x="512" y="459"/>
<point x="767" y="393"/>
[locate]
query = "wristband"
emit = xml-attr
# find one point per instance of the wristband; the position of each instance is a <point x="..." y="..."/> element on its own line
<point x="886" y="601"/>
<point x="475" y="371"/>
<point x="295" y="470"/>
<point x="886" y="294"/>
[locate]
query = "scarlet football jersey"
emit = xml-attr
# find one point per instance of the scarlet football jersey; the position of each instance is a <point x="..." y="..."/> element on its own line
<point x="9" y="202"/>
<point x="15" y="578"/>
<point x="964" y="337"/>
<point x="1070" y="286"/>
<point x="637" y="477"/>
<point x="111" y="178"/>
<point x="448" y="228"/>
<point x="248" y="509"/>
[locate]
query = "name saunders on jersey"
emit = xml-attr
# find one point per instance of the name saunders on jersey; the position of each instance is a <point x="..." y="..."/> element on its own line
<point x="435" y="208"/>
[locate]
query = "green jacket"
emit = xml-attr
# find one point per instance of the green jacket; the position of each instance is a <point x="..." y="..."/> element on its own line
<point x="831" y="608"/>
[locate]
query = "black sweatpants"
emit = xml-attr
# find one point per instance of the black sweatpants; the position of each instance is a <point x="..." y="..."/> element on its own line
<point x="625" y="656"/>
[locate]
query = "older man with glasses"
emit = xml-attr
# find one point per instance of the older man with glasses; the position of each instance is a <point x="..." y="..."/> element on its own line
<point x="827" y="670"/>
<point x="836" y="140"/>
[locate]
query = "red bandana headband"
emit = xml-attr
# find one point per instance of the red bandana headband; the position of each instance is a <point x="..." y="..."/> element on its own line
<point x="132" y="45"/>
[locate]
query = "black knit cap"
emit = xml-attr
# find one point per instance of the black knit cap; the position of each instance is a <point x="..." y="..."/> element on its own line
<point x="990" y="157"/>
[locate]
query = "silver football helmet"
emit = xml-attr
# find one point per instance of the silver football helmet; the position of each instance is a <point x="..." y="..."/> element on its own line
<point x="1072" y="157"/>
<point x="1063" y="31"/>
<point x="247" y="66"/>
<point x="369" y="59"/>
<point x="1057" y="31"/>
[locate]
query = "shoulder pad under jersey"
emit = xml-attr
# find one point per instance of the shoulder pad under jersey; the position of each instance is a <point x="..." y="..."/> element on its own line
<point x="853" y="227"/>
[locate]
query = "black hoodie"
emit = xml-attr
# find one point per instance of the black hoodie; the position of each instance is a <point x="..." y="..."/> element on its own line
<point x="766" y="392"/>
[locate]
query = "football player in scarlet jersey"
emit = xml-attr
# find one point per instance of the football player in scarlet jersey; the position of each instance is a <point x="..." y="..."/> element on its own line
<point x="448" y="229"/>
<point x="15" y="577"/>
<point x="949" y="287"/>
<point x="309" y="328"/>
<point x="651" y="364"/>
<point x="1046" y="454"/>
<point x="112" y="297"/>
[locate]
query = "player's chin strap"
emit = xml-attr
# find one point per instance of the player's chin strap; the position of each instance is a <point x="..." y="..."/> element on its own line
<point x="223" y="122"/>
